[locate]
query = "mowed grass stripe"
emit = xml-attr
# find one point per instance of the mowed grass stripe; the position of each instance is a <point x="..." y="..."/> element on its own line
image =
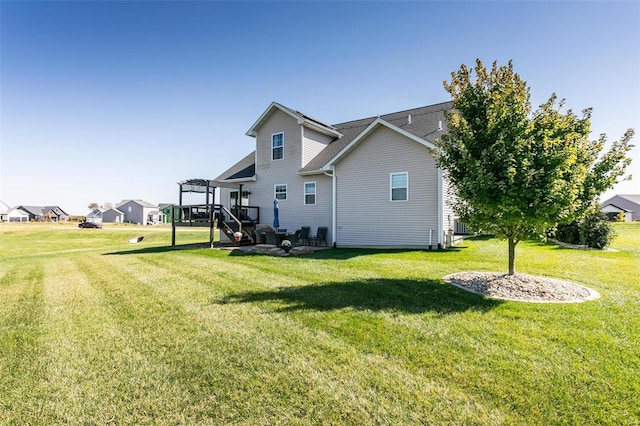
<point x="286" y="348"/>
<point x="167" y="359"/>
<point x="21" y="321"/>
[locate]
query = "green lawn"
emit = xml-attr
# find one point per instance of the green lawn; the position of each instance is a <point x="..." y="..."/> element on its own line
<point x="94" y="330"/>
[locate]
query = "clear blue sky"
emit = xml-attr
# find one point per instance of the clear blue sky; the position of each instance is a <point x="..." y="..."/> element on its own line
<point x="104" y="101"/>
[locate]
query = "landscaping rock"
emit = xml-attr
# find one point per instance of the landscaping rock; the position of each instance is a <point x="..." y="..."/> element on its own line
<point x="521" y="287"/>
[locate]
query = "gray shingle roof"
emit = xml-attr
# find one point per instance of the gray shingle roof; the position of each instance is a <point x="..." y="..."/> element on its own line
<point x="631" y="197"/>
<point x="424" y="124"/>
<point x="139" y="202"/>
<point x="243" y="165"/>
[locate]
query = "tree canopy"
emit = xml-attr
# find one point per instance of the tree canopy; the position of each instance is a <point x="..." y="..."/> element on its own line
<point x="519" y="172"/>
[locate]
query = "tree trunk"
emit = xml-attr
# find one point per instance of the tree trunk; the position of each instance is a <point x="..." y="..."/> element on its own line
<point x="512" y="255"/>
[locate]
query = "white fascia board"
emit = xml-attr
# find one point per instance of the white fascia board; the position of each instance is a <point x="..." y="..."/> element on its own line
<point x="366" y="132"/>
<point x="240" y="180"/>
<point x="313" y="172"/>
<point x="320" y="129"/>
<point x="253" y="131"/>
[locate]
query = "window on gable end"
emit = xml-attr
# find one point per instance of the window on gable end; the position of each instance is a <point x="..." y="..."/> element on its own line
<point x="277" y="146"/>
<point x="399" y="186"/>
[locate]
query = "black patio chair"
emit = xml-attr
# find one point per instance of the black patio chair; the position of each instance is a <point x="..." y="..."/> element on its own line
<point x="321" y="236"/>
<point x="303" y="236"/>
<point x="271" y="238"/>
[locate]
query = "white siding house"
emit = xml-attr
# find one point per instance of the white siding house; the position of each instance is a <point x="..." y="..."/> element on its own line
<point x="17" y="215"/>
<point x="372" y="182"/>
<point x="629" y="204"/>
<point x="94" y="216"/>
<point x="140" y="212"/>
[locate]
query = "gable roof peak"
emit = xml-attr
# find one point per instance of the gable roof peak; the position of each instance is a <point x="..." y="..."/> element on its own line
<point x="303" y="120"/>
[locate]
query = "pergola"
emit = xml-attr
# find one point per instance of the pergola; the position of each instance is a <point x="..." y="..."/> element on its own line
<point x="195" y="214"/>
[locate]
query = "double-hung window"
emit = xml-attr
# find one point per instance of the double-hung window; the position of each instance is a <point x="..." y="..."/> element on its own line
<point x="280" y="192"/>
<point x="277" y="146"/>
<point x="399" y="186"/>
<point x="309" y="193"/>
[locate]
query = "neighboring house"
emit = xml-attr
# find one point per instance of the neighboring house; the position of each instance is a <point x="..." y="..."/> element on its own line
<point x="629" y="204"/>
<point x="95" y="216"/>
<point x="373" y="182"/>
<point x="167" y="212"/>
<point x="4" y="209"/>
<point x="17" y="215"/>
<point x="139" y="211"/>
<point x="112" y="216"/>
<point x="45" y="213"/>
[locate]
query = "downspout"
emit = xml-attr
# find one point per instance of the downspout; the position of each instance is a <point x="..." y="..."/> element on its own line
<point x="440" y="210"/>
<point x="334" y="197"/>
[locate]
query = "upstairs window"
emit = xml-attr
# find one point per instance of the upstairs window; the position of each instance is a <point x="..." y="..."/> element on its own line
<point x="281" y="192"/>
<point x="399" y="186"/>
<point x="309" y="193"/>
<point x="277" y="146"/>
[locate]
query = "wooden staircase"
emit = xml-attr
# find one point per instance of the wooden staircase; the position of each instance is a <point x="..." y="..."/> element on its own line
<point x="230" y="223"/>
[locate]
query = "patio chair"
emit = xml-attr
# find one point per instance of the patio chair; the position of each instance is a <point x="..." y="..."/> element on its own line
<point x="293" y="238"/>
<point x="303" y="236"/>
<point x="271" y="238"/>
<point x="321" y="236"/>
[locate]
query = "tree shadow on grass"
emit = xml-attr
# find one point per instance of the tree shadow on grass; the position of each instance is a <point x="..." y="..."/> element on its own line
<point x="160" y="249"/>
<point x="349" y="253"/>
<point x="393" y="295"/>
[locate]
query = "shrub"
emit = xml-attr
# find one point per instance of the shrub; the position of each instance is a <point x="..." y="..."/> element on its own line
<point x="592" y="230"/>
<point x="595" y="230"/>
<point x="568" y="233"/>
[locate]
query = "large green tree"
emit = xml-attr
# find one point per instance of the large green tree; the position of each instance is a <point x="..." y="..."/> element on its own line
<point x="518" y="172"/>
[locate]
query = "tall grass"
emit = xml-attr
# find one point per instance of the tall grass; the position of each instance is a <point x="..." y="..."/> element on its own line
<point x="96" y="330"/>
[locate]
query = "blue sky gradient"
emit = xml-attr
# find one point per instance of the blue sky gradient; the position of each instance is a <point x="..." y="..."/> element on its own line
<point x="104" y="101"/>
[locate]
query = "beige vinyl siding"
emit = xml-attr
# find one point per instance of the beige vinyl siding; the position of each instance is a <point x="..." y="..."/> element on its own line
<point x="293" y="213"/>
<point x="448" y="215"/>
<point x="312" y="143"/>
<point x="365" y="215"/>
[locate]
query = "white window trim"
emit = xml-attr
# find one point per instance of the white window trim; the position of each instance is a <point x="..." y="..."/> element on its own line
<point x="315" y="193"/>
<point x="391" y="187"/>
<point x="272" y="148"/>
<point x="286" y="191"/>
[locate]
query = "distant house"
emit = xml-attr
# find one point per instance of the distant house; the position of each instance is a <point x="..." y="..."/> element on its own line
<point x="628" y="204"/>
<point x="112" y="216"/>
<point x="45" y="213"/>
<point x="95" y="216"/>
<point x="17" y="215"/>
<point x="167" y="212"/>
<point x="4" y="209"/>
<point x="140" y="212"/>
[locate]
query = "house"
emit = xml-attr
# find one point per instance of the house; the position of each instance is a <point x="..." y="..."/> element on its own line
<point x="4" y="209"/>
<point x="628" y="204"/>
<point x="45" y="213"/>
<point x="167" y="212"/>
<point x="372" y="182"/>
<point x="112" y="216"/>
<point x="94" y="216"/>
<point x="17" y="215"/>
<point x="139" y="211"/>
